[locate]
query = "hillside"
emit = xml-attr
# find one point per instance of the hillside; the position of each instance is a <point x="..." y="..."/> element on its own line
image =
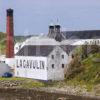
<point x="3" y="41"/>
<point x="86" y="34"/>
<point x="88" y="76"/>
<point x="21" y="38"/>
<point x="91" y="70"/>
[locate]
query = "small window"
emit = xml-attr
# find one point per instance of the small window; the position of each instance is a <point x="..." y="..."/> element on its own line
<point x="53" y="66"/>
<point x="52" y="56"/>
<point x="63" y="56"/>
<point x="62" y="65"/>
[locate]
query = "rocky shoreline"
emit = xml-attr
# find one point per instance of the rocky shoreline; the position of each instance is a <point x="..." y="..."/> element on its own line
<point x="69" y="91"/>
<point x="17" y="86"/>
<point x="49" y="90"/>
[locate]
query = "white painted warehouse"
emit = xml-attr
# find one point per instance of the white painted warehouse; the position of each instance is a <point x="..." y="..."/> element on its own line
<point x="41" y="58"/>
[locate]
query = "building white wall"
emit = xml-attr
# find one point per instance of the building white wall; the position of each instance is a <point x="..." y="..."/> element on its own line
<point x="10" y="62"/>
<point x="31" y="67"/>
<point x="57" y="73"/>
<point x="76" y="42"/>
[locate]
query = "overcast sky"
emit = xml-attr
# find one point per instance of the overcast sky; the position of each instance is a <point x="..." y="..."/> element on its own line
<point x="34" y="16"/>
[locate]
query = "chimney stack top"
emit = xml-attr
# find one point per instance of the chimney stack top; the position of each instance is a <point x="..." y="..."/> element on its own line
<point x="9" y="12"/>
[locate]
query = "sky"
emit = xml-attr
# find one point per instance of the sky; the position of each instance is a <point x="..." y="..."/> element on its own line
<point x="34" y="16"/>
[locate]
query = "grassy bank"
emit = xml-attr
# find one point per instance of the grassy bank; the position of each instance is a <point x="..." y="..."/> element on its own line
<point x="89" y="76"/>
<point x="71" y="87"/>
<point x="91" y="71"/>
<point x="19" y="83"/>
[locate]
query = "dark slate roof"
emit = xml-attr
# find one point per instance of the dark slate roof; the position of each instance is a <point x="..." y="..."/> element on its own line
<point x="68" y="48"/>
<point x="88" y="34"/>
<point x="57" y="36"/>
<point x="30" y="50"/>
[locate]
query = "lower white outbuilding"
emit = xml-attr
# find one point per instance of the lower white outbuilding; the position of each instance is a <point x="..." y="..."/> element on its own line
<point x="4" y="68"/>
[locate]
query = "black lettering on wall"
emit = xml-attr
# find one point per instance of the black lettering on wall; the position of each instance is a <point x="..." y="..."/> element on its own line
<point x="35" y="64"/>
<point x="24" y="64"/>
<point x="17" y="63"/>
<point x="41" y="64"/>
<point x="28" y="64"/>
<point x="20" y="63"/>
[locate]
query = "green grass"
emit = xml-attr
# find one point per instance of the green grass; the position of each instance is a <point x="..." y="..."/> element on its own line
<point x="91" y="71"/>
<point x="25" y="83"/>
<point x="89" y="76"/>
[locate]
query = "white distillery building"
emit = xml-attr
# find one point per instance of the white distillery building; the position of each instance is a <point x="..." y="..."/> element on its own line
<point x="40" y="58"/>
<point x="44" y="58"/>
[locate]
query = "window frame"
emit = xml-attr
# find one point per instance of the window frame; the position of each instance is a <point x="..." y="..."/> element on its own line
<point x="52" y="66"/>
<point x="63" y="65"/>
<point x="62" y="56"/>
<point x="52" y="56"/>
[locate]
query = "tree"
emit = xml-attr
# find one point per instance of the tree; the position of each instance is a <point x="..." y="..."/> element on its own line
<point x="84" y="51"/>
<point x="94" y="48"/>
<point x="74" y="66"/>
